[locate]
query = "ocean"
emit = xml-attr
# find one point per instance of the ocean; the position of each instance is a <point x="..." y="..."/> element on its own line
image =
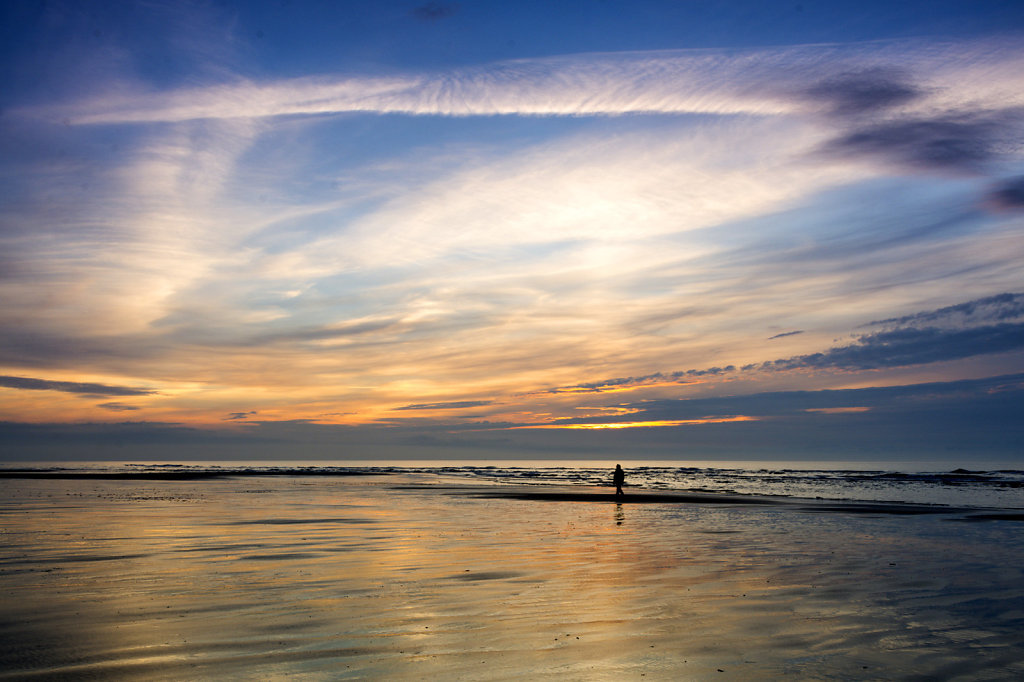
<point x="509" y="570"/>
<point x="910" y="483"/>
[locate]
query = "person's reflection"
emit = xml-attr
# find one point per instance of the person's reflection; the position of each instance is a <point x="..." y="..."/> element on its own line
<point x="619" y="515"/>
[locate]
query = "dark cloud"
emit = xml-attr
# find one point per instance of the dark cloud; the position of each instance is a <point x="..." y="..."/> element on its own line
<point x="979" y="327"/>
<point x="458" y="405"/>
<point x="1009" y="195"/>
<point x="784" y="334"/>
<point x="26" y="347"/>
<point x="125" y="440"/>
<point x="994" y="324"/>
<point x="862" y="92"/>
<point x="620" y="383"/>
<point x="27" y="383"/>
<point x="865" y="104"/>
<point x="434" y="11"/>
<point x="954" y="142"/>
<point x="234" y="416"/>
<point x="117" y="407"/>
<point x="795" y="403"/>
<point x="996" y="308"/>
<point x="908" y="346"/>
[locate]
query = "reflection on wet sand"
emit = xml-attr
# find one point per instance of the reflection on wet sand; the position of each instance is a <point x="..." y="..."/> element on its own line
<point x="259" y="578"/>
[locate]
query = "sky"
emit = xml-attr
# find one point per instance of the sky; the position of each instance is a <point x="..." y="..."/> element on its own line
<point x="594" y="229"/>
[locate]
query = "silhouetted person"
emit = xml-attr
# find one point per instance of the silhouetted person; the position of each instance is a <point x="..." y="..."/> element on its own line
<point x="619" y="478"/>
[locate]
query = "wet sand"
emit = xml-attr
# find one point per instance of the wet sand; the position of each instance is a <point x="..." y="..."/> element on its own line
<point x="414" y="577"/>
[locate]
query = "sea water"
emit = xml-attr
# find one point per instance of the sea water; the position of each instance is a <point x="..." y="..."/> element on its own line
<point x="910" y="483"/>
<point x="274" y="570"/>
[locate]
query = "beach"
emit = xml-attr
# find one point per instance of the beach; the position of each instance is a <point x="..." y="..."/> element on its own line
<point x="418" y="576"/>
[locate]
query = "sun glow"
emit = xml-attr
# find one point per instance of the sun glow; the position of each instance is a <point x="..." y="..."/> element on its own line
<point x="641" y="425"/>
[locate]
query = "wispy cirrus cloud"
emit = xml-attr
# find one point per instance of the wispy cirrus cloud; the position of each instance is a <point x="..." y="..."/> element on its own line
<point x="842" y="80"/>
<point x="247" y="225"/>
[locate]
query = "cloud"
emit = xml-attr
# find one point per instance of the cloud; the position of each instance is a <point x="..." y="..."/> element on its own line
<point x="857" y="402"/>
<point x="455" y="405"/>
<point x="837" y="410"/>
<point x="579" y="192"/>
<point x="953" y="332"/>
<point x="343" y="330"/>
<point x="118" y="407"/>
<point x="996" y="308"/>
<point x="1009" y="194"/>
<point x="125" y="440"/>
<point x="866" y="91"/>
<point x="915" y="339"/>
<point x="434" y="11"/>
<point x="910" y="118"/>
<point x="785" y="334"/>
<point x="909" y="346"/>
<point x="963" y="142"/>
<point x="930" y="421"/>
<point x="354" y="267"/>
<point x="30" y="384"/>
<point x="846" y="79"/>
<point x="235" y="416"/>
<point x="633" y="383"/>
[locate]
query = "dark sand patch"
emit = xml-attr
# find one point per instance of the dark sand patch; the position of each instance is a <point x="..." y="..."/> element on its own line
<point x="471" y="576"/>
<point x="997" y="516"/>
<point x="558" y="494"/>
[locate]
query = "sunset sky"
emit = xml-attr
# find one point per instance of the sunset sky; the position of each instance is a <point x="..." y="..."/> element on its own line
<point x="583" y="229"/>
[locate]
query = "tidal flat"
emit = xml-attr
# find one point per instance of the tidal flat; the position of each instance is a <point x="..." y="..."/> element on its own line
<point x="420" y="577"/>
